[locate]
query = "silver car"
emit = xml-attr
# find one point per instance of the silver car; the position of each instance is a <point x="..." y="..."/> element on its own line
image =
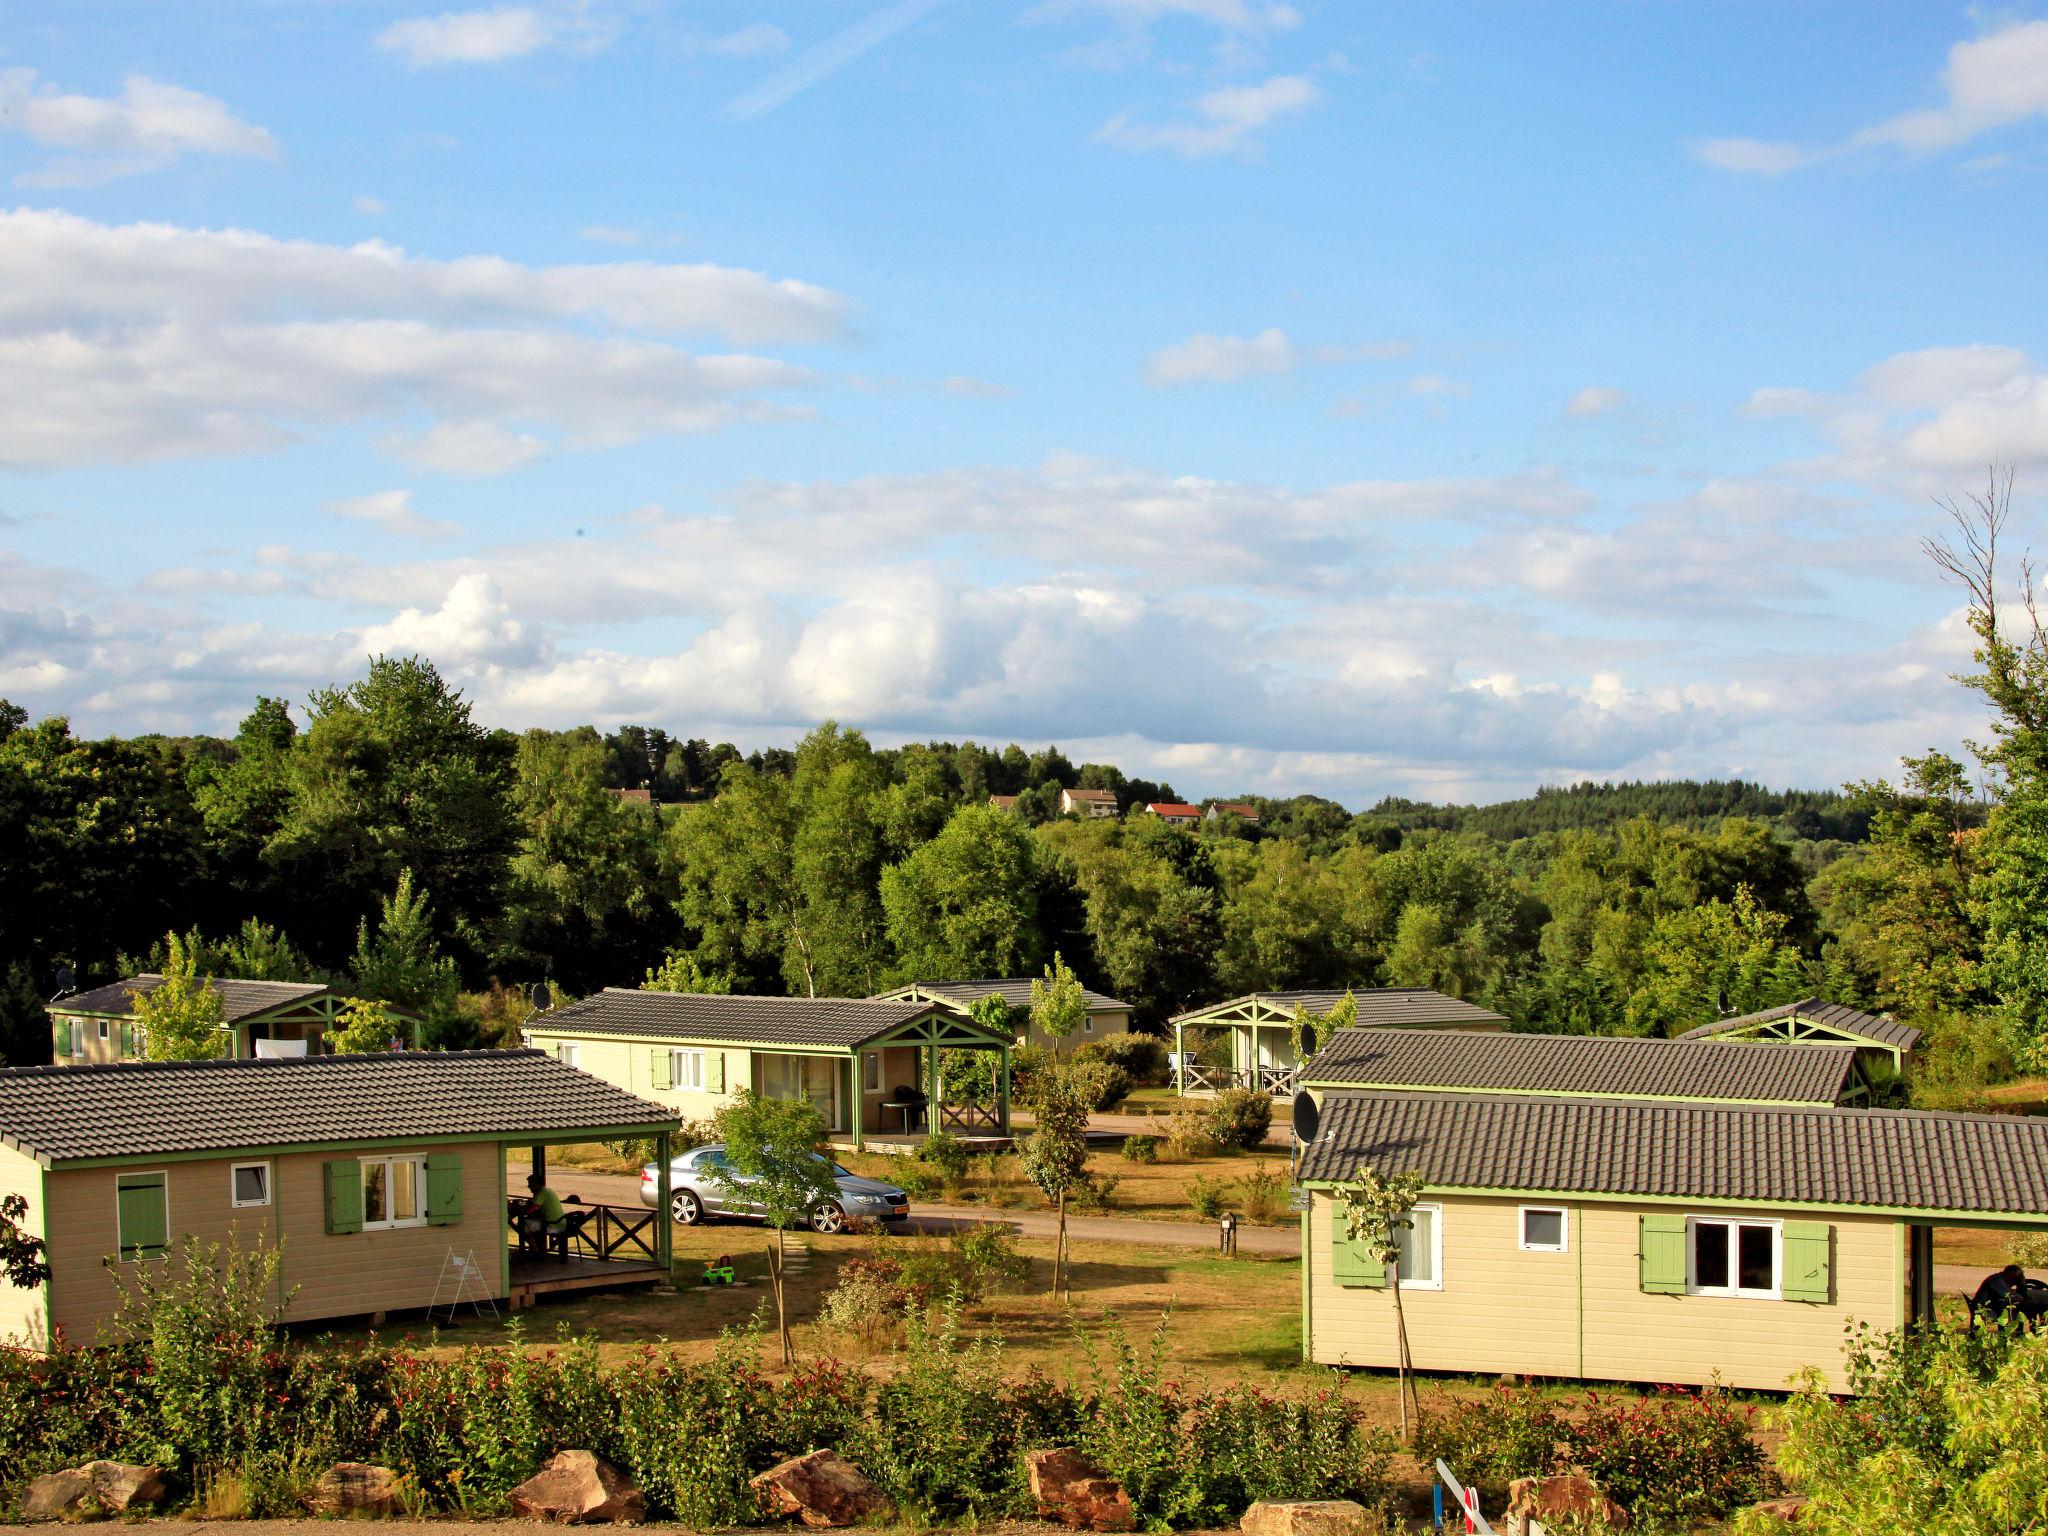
<point x="696" y="1193"/>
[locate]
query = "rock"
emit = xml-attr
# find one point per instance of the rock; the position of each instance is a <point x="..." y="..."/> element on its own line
<point x="821" y="1488"/>
<point x="57" y="1495"/>
<point x="1303" y="1517"/>
<point x="1790" y="1510"/>
<point x="1072" y="1490"/>
<point x="118" y="1486"/>
<point x="357" y="1488"/>
<point x="97" y="1488"/>
<point x="1535" y="1503"/>
<point x="575" y="1488"/>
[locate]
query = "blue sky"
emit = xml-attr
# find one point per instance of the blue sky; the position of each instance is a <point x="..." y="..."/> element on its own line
<point x="1351" y="398"/>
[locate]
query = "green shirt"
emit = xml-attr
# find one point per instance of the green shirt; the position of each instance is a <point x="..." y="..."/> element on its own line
<point x="549" y="1204"/>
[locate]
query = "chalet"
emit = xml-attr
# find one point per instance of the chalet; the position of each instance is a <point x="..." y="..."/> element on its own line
<point x="1636" y="1239"/>
<point x="370" y="1174"/>
<point x="1106" y="1015"/>
<point x="1887" y="1045"/>
<point x="1217" y="811"/>
<point x="1179" y="815"/>
<point x="872" y="1067"/>
<point x="263" y="1018"/>
<point x="1090" y="803"/>
<point x="634" y="796"/>
<point x="1260" y="1026"/>
<point x="1003" y="802"/>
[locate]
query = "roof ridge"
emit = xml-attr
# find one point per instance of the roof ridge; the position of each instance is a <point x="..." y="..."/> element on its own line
<point x="1712" y="1106"/>
<point x="244" y="1063"/>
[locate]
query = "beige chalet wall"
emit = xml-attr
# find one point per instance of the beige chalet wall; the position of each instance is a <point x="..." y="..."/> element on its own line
<point x="93" y="1050"/>
<point x="1106" y="1024"/>
<point x="1505" y="1311"/>
<point x="629" y="1064"/>
<point x="335" y="1276"/>
<point x="23" y="1313"/>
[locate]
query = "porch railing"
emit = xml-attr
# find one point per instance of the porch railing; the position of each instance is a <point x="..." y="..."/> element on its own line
<point x="1194" y="1075"/>
<point x="969" y="1117"/>
<point x="1274" y="1080"/>
<point x="622" y="1233"/>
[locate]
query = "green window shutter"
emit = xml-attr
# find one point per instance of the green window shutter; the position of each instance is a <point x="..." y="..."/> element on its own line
<point x="1352" y="1263"/>
<point x="1808" y="1261"/>
<point x="714" y="1071"/>
<point x="444" y="1188"/>
<point x="60" y="1040"/>
<point x="1662" y="1242"/>
<point x="661" y="1073"/>
<point x="343" y="1180"/>
<point x="127" y="1038"/>
<point x="144" y="1222"/>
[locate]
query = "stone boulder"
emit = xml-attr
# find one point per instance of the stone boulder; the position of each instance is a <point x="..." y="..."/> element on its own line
<point x="355" y="1489"/>
<point x="97" y="1488"/>
<point x="1536" y="1504"/>
<point x="821" y="1488"/>
<point x="1072" y="1490"/>
<point x="575" y="1488"/>
<point x="1303" y="1517"/>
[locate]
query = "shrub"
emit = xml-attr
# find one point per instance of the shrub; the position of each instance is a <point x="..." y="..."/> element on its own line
<point x="1492" y="1441"/>
<point x="944" y="1153"/>
<point x="1103" y="1084"/>
<point x="1098" y="1192"/>
<point x="1240" y="1117"/>
<point x="987" y="1252"/>
<point x="2029" y="1250"/>
<point x="1140" y="1056"/>
<point x="863" y="1308"/>
<point x="1679" y="1459"/>
<point x="1141" y="1149"/>
<point x="1207" y="1195"/>
<point x="917" y="1178"/>
<point x="1190" y="1133"/>
<point x="935" y="1442"/>
<point x="1265" y="1194"/>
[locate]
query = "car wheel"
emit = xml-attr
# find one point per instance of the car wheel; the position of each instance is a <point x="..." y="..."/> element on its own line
<point x="828" y="1218"/>
<point x="687" y="1209"/>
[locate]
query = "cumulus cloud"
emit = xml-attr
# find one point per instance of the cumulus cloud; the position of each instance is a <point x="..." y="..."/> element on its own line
<point x="149" y="126"/>
<point x="474" y="37"/>
<point x="393" y="512"/>
<point x="1594" y="400"/>
<point x="147" y="341"/>
<point x="1990" y="82"/>
<point x="1211" y="359"/>
<point x="1225" y="121"/>
<point x="474" y="628"/>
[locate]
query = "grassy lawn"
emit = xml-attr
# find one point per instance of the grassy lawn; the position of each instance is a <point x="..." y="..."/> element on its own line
<point x="1160" y="1191"/>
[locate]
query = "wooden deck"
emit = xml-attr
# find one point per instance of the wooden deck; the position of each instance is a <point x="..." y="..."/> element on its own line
<point x="533" y="1278"/>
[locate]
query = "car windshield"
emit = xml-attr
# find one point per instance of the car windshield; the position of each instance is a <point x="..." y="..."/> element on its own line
<point x="838" y="1172"/>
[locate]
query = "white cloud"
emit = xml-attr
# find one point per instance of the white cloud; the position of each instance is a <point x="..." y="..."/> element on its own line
<point x="474" y="630"/>
<point x="150" y="125"/>
<point x="1990" y="82"/>
<point x="393" y="512"/>
<point x="1437" y="385"/>
<point x="1228" y="15"/>
<point x="472" y="448"/>
<point x="147" y="341"/>
<point x="1595" y="400"/>
<point x="1226" y="121"/>
<point x="468" y="37"/>
<point x="751" y="42"/>
<point x="371" y="207"/>
<point x="826" y="59"/>
<point x="1221" y="359"/>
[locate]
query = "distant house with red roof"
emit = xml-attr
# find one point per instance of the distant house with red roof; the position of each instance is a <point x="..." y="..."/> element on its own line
<point x="1237" y="808"/>
<point x="1167" y="810"/>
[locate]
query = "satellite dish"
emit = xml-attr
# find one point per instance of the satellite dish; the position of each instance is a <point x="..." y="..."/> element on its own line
<point x="539" y="995"/>
<point x="1308" y="1041"/>
<point x="1308" y="1118"/>
<point x="67" y="982"/>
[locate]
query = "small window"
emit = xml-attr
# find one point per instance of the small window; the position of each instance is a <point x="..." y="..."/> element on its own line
<point x="1543" y="1229"/>
<point x="104" y="1028"/>
<point x="686" y="1069"/>
<point x="1087" y="1026"/>
<point x="77" y="1038"/>
<point x="250" y="1184"/>
<point x="871" y="1072"/>
<point x="1422" y="1249"/>
<point x="1732" y="1258"/>
<point x="566" y="1053"/>
<point x="391" y="1192"/>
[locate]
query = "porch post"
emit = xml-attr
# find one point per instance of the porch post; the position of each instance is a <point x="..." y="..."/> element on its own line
<point x="1180" y="1064"/>
<point x="933" y="1116"/>
<point x="1003" y="1092"/>
<point x="856" y="1100"/>
<point x="664" y="1224"/>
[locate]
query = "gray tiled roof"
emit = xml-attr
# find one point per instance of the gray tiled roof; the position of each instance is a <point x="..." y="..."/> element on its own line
<point x="241" y="998"/>
<point x="1840" y="1016"/>
<point x="1910" y="1159"/>
<point x="1013" y="991"/>
<point x="150" y="1108"/>
<point x="1758" y="1071"/>
<point x="834" y="1021"/>
<point x="1378" y="1007"/>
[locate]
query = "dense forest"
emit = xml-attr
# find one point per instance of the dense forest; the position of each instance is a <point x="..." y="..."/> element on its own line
<point x="380" y="837"/>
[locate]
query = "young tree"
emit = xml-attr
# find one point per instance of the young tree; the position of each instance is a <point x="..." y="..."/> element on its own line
<point x="365" y="1026"/>
<point x="403" y="964"/>
<point x="259" y="952"/>
<point x="1376" y="1208"/>
<point x="183" y="1017"/>
<point x="1059" y="1003"/>
<point x="1054" y="1156"/>
<point x="680" y="972"/>
<point x="23" y="1259"/>
<point x="773" y="1146"/>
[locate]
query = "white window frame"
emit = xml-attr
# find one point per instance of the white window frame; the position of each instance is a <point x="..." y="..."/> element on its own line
<point x="1734" y="1223"/>
<point x="1436" y="1248"/>
<point x="419" y="1192"/>
<point x="691" y="1080"/>
<point x="566" y="1052"/>
<point x="105" y="1029"/>
<point x="1088" y="1025"/>
<point x="1564" y="1217"/>
<point x="870" y="1071"/>
<point x="236" y="1200"/>
<point x="77" y="1039"/>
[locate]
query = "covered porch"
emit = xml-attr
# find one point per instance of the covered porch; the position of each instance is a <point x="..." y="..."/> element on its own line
<point x="1947" y="1259"/>
<point x="939" y="1071"/>
<point x="1260" y="1052"/>
<point x="596" y="1245"/>
<point x="299" y="1028"/>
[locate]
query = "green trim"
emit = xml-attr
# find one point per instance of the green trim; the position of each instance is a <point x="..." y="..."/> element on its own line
<point x="49" y="1246"/>
<point x="1328" y="1085"/>
<point x="1931" y="1216"/>
<point x="503" y="1138"/>
<point x="505" y="1243"/>
<point x="1308" y="1326"/>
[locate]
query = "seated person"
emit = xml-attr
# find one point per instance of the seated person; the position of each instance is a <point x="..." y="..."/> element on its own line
<point x="2011" y="1291"/>
<point x="543" y="1213"/>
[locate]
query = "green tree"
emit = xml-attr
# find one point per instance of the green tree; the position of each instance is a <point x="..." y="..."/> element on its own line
<point x="259" y="952"/>
<point x="1059" y="1003"/>
<point x="24" y="1260"/>
<point x="401" y="963"/>
<point x="966" y="903"/>
<point x="183" y="1018"/>
<point x="365" y="1025"/>
<point x="1726" y="957"/>
<point x="1054" y="1154"/>
<point x="1376" y="1208"/>
<point x="773" y="1146"/>
<point x="1151" y="909"/>
<point x="680" y="972"/>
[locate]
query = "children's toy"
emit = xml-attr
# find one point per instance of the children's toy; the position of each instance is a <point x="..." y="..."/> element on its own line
<point x="719" y="1271"/>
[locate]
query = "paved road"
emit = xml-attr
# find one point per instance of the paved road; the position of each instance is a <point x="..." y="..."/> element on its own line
<point x="623" y="1189"/>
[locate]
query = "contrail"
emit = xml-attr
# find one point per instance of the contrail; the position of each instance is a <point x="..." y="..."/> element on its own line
<point x="828" y="58"/>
